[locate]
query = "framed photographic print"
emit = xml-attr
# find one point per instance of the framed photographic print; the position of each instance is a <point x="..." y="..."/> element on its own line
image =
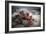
<point x="24" y="16"/>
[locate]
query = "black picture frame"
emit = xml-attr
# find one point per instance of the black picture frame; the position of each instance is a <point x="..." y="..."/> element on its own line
<point x="7" y="16"/>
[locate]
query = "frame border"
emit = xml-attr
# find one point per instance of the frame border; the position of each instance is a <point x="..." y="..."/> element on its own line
<point x="7" y="16"/>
